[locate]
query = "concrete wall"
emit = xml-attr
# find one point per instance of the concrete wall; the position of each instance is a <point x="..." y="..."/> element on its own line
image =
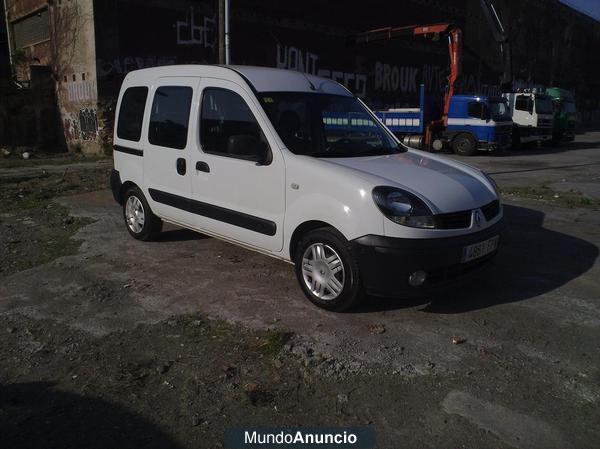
<point x="29" y="118"/>
<point x="38" y="54"/>
<point x="75" y="71"/>
<point x="5" y="70"/>
<point x="69" y="54"/>
<point x="135" y="34"/>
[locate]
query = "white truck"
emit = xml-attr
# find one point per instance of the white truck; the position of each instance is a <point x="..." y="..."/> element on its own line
<point x="532" y="116"/>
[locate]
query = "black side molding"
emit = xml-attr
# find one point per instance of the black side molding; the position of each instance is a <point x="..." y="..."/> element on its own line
<point x="122" y="149"/>
<point x="228" y="216"/>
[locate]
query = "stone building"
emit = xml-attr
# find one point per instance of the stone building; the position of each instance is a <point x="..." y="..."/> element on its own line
<point x="85" y="47"/>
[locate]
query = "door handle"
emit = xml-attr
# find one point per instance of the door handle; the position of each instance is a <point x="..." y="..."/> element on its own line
<point x="181" y="166"/>
<point x="202" y="166"/>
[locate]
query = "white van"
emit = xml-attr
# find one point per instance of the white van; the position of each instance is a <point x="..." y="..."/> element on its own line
<point x="295" y="167"/>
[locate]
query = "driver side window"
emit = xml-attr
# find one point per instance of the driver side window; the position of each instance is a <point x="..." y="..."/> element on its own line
<point x="522" y="103"/>
<point x="228" y="127"/>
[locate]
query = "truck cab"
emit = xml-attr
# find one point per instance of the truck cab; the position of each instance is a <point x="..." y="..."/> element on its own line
<point x="487" y="119"/>
<point x="474" y="123"/>
<point x="532" y="116"/>
<point x="565" y="115"/>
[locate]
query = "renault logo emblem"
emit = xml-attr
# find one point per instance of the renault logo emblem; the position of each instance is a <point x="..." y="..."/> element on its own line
<point x="477" y="218"/>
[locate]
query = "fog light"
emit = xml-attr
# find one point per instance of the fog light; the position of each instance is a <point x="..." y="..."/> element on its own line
<point x="417" y="278"/>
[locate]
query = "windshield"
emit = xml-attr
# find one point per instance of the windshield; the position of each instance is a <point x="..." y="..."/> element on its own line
<point x="543" y="105"/>
<point x="499" y="110"/>
<point x="322" y="125"/>
<point x="568" y="107"/>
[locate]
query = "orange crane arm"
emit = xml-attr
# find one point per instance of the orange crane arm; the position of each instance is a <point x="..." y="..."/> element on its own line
<point x="434" y="31"/>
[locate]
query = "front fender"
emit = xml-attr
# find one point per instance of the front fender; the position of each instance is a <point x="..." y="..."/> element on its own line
<point x="331" y="195"/>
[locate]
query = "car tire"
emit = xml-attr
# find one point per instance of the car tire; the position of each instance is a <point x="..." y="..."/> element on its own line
<point x="464" y="145"/>
<point x="139" y="219"/>
<point x="337" y="284"/>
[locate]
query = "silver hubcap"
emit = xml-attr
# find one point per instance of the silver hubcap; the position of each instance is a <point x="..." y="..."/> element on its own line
<point x="323" y="271"/>
<point x="134" y="214"/>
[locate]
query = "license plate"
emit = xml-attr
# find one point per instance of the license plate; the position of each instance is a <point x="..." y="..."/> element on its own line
<point x="480" y="249"/>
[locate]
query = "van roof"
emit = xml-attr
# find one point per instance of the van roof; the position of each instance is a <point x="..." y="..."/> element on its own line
<point x="261" y="79"/>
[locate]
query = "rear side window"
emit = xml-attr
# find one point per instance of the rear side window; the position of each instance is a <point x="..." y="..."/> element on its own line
<point x="131" y="114"/>
<point x="225" y="115"/>
<point x="170" y="116"/>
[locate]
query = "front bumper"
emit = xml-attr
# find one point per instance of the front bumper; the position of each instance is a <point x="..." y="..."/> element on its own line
<point x="115" y="185"/>
<point x="387" y="262"/>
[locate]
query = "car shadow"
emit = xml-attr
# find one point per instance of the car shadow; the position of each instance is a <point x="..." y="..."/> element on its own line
<point x="36" y="416"/>
<point x="532" y="261"/>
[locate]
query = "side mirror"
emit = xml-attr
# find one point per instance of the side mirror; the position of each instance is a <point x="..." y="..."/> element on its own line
<point x="247" y="146"/>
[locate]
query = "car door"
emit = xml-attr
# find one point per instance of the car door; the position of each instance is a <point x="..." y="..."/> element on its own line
<point x="523" y="112"/>
<point x="169" y="138"/>
<point x="238" y="181"/>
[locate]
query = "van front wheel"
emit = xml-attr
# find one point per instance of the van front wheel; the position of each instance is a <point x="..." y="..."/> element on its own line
<point x="141" y="223"/>
<point x="328" y="274"/>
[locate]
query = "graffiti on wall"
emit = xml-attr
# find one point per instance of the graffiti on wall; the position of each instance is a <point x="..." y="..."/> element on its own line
<point x="197" y="29"/>
<point x="473" y="85"/>
<point x="406" y="79"/>
<point x="393" y="78"/>
<point x="292" y="58"/>
<point x="83" y="126"/>
<point x="71" y="129"/>
<point x="122" y="66"/>
<point x="78" y="91"/>
<point x="88" y="123"/>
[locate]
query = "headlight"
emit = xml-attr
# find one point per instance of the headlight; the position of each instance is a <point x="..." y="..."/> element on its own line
<point x="493" y="183"/>
<point x="403" y="207"/>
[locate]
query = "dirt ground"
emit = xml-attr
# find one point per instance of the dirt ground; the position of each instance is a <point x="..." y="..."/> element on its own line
<point x="111" y="342"/>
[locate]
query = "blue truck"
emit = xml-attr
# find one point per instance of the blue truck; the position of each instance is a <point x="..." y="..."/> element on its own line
<point x="473" y="123"/>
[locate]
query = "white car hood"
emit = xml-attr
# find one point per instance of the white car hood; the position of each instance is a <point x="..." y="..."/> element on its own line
<point x="447" y="185"/>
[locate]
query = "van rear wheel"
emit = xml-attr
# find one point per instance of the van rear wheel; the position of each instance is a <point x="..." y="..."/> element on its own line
<point x="141" y="223"/>
<point x="327" y="271"/>
<point x="464" y="145"/>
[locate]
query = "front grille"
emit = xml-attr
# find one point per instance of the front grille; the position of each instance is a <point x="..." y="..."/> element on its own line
<point x="491" y="210"/>
<point x="462" y="219"/>
<point x="454" y="220"/>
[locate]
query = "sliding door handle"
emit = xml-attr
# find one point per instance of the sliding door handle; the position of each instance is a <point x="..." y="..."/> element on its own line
<point x="181" y="169"/>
